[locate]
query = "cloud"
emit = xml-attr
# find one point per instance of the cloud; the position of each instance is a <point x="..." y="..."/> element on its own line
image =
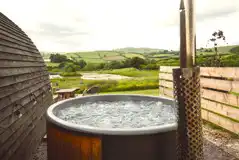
<point x="49" y="29"/>
<point x="60" y="25"/>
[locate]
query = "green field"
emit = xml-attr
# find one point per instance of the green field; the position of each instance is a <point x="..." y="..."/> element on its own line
<point x="113" y="58"/>
<point x="132" y="72"/>
<point x="226" y="49"/>
<point x="102" y="56"/>
<point x="141" y="80"/>
<point x="131" y="55"/>
<point x="52" y="64"/>
<point x="162" y="58"/>
<point x="151" y="92"/>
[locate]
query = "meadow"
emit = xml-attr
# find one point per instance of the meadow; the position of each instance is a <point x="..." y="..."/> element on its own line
<point x="142" y="79"/>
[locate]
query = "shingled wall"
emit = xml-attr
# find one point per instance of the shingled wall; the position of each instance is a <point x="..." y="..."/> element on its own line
<point x="25" y="93"/>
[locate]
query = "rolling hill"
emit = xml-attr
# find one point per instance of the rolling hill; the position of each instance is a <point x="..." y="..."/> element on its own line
<point x="139" y="50"/>
<point x="129" y="52"/>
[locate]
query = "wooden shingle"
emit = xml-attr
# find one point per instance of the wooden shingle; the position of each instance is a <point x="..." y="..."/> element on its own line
<point x="25" y="93"/>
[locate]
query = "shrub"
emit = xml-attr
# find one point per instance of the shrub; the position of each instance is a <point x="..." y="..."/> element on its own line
<point x="71" y="67"/>
<point x="69" y="74"/>
<point x="58" y="58"/>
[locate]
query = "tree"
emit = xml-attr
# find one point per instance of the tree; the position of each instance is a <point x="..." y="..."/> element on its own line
<point x="235" y="50"/>
<point x="61" y="65"/>
<point x="71" y="67"/>
<point x="165" y="51"/>
<point x="81" y="63"/>
<point x="215" y="61"/>
<point x="136" y="62"/>
<point x="215" y="37"/>
<point x="58" y="58"/>
<point x="114" y="65"/>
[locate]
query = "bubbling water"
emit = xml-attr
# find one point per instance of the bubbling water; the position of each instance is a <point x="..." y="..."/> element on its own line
<point x="119" y="114"/>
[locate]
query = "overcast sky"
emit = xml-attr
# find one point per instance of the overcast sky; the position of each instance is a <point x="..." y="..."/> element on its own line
<point x="77" y="25"/>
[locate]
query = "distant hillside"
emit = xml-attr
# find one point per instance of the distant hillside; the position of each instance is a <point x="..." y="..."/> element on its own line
<point x="102" y="56"/>
<point x="227" y="48"/>
<point x="139" y="50"/>
<point x="129" y="52"/>
<point x="221" y="49"/>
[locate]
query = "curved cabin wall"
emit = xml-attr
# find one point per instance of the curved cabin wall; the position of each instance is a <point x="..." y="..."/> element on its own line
<point x="25" y="93"/>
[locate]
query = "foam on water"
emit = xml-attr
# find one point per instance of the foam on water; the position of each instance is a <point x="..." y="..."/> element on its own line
<point x="119" y="114"/>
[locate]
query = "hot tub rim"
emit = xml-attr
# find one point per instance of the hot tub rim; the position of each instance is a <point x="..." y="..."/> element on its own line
<point x="107" y="131"/>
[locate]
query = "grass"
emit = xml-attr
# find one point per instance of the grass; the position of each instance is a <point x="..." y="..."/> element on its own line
<point x="93" y="60"/>
<point x="102" y="56"/>
<point x="96" y="56"/>
<point x="107" y="85"/>
<point x="152" y="92"/>
<point x="113" y="58"/>
<point x="132" y="72"/>
<point x="226" y="48"/>
<point x="143" y="80"/>
<point x="131" y="55"/>
<point x="52" y="64"/>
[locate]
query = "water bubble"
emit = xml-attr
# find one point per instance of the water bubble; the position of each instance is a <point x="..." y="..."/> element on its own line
<point x="119" y="114"/>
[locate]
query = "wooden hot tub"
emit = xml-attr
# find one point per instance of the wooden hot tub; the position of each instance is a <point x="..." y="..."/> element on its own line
<point x="68" y="141"/>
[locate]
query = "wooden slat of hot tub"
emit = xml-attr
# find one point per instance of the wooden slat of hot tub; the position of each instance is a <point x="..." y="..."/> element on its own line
<point x="63" y="144"/>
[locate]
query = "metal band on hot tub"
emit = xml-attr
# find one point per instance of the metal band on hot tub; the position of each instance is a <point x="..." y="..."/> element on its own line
<point x="108" y="131"/>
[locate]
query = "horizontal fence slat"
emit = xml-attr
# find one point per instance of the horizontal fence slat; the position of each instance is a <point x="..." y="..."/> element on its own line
<point x="225" y="85"/>
<point x="166" y="92"/>
<point x="218" y="105"/>
<point x="222" y="109"/>
<point x="166" y="76"/>
<point x="166" y="84"/>
<point x="220" y="72"/>
<point x="220" y="97"/>
<point x="221" y="121"/>
<point x="167" y="69"/>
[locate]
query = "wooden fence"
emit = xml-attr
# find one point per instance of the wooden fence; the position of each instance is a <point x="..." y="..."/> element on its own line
<point x="219" y="94"/>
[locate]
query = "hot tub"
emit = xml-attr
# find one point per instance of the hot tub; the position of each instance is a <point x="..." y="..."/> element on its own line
<point x="70" y="141"/>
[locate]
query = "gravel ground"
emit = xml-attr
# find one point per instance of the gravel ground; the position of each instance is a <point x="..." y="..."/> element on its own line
<point x="41" y="152"/>
<point x="222" y="140"/>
